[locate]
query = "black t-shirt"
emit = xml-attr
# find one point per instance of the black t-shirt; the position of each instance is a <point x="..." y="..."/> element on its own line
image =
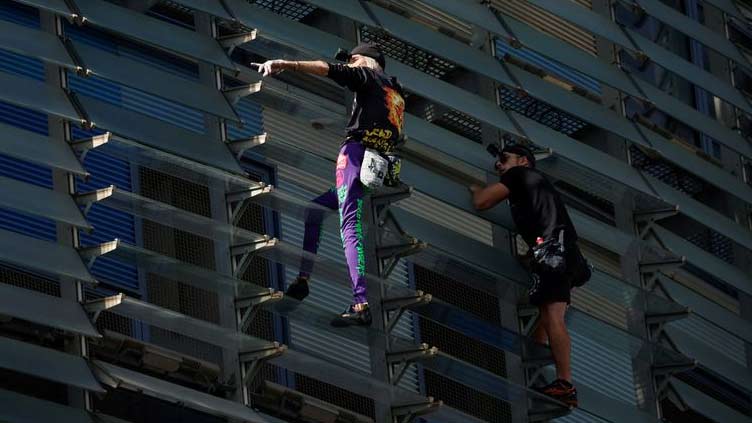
<point x="537" y="208"/>
<point x="378" y="111"/>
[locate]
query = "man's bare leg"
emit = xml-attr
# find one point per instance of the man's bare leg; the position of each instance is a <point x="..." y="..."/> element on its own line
<point x="539" y="334"/>
<point x="558" y="338"/>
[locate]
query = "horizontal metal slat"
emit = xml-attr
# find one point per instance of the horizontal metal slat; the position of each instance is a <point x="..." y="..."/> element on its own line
<point x="709" y="310"/>
<point x="56" y="6"/>
<point x="34" y="43"/>
<point x="154" y="81"/>
<point x="46" y="257"/>
<point x="607" y="73"/>
<point x="191" y="398"/>
<point x="17" y="408"/>
<point x="39" y="201"/>
<point x="188" y="326"/>
<point x="694" y="29"/>
<point x="730" y="274"/>
<point x="160" y="135"/>
<point x="625" y="37"/>
<point x="727" y="6"/>
<point x="691" y="72"/>
<point x="154" y="32"/>
<point x="47" y="364"/>
<point x="45" y="310"/>
<point x="29" y="146"/>
<point x="707" y="405"/>
<point x="35" y="95"/>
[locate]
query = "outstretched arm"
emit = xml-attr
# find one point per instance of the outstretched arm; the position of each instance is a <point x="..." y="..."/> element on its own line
<point x="352" y="77"/>
<point x="273" y="67"/>
<point x="489" y="196"/>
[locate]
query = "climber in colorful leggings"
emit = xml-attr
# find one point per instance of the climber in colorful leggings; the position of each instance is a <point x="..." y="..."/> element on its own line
<point x="376" y="122"/>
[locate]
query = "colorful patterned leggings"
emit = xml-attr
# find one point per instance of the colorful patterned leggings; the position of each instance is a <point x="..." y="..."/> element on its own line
<point x="348" y="197"/>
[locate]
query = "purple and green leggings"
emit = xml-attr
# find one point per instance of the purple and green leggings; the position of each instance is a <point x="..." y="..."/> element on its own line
<point x="348" y="197"/>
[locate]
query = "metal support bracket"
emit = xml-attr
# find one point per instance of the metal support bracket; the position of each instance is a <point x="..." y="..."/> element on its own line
<point x="400" y="304"/>
<point x="405" y="413"/>
<point x="253" y="360"/>
<point x="664" y="371"/>
<point x="658" y="314"/>
<point x="76" y="15"/>
<point x="390" y="254"/>
<point x="83" y="145"/>
<point x="651" y="216"/>
<point x="90" y="254"/>
<point x="87" y="199"/>
<point x="237" y="200"/>
<point x="544" y="154"/>
<point x="403" y="359"/>
<point x="528" y="317"/>
<point x="386" y="195"/>
<point x="81" y="68"/>
<point x="252" y="305"/>
<point x="233" y="95"/>
<point x="230" y="42"/>
<point x="668" y="263"/>
<point x="240" y="146"/>
<point x="97" y="306"/>
<point x="243" y="254"/>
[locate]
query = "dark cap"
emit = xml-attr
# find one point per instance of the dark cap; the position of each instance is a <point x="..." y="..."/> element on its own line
<point x="520" y="150"/>
<point x="371" y="50"/>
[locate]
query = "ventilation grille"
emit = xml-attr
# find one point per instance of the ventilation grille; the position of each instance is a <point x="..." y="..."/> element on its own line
<point x="335" y="395"/>
<point x="407" y="53"/>
<point x="667" y="173"/>
<point x="466" y="399"/>
<point x="290" y="9"/>
<point x="462" y="347"/>
<point x="714" y="243"/>
<point x="540" y="112"/>
<point x="455" y="121"/>
<point x="187" y="247"/>
<point x="19" y="278"/>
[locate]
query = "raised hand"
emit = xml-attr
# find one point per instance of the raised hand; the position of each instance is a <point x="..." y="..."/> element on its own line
<point x="270" y="67"/>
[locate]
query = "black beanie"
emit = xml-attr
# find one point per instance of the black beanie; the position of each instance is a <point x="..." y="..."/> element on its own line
<point x="520" y="150"/>
<point x="371" y="50"/>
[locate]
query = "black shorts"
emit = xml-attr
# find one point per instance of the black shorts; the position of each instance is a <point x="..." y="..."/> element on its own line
<point x="549" y="288"/>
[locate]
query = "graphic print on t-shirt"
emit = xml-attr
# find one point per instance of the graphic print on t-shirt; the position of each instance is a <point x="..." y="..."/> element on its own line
<point x="395" y="104"/>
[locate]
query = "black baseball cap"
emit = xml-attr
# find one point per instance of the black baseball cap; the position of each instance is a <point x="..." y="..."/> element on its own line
<point x="371" y="50"/>
<point x="520" y="150"/>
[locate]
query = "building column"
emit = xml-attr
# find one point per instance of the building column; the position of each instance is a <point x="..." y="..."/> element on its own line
<point x="59" y="131"/>
<point x="211" y="76"/>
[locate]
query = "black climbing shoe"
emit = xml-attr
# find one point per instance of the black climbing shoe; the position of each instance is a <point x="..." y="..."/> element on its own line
<point x="298" y="289"/>
<point x="350" y="317"/>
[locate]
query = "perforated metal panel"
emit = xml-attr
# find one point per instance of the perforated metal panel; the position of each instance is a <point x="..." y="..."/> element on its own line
<point x="290" y="9"/>
<point x="27" y="280"/>
<point x="666" y="172"/>
<point x="407" y="53"/>
<point x="455" y="121"/>
<point x="461" y="346"/>
<point x="714" y="243"/>
<point x="193" y="249"/>
<point x="540" y="111"/>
